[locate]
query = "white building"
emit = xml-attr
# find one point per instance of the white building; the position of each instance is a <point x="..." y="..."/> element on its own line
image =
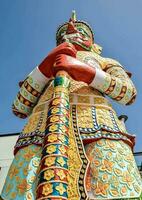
<point x="7" y="142"/>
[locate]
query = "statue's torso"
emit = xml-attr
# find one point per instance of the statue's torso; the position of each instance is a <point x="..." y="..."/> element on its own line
<point x="93" y="110"/>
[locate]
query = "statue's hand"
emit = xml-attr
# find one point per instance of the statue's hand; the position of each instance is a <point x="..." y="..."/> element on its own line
<point x="65" y="48"/>
<point x="78" y="70"/>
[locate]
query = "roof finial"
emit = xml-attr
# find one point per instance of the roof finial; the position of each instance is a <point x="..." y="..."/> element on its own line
<point x="73" y="17"/>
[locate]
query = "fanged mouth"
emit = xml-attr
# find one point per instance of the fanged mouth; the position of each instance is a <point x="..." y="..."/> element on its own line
<point x="76" y="38"/>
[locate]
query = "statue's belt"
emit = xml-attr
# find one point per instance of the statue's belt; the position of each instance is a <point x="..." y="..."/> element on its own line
<point x="75" y="99"/>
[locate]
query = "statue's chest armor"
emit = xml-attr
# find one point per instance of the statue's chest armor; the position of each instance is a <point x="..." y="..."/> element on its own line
<point x="91" y="59"/>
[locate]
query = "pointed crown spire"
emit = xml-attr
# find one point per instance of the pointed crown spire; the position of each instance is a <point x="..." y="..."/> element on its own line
<point x="73" y="16"/>
<point x="71" y="24"/>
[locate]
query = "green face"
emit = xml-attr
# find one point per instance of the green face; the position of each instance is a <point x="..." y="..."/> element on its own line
<point x="80" y="39"/>
<point x="83" y="33"/>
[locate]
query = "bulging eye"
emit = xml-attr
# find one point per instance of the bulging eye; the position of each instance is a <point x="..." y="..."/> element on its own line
<point x="81" y="30"/>
<point x="83" y="33"/>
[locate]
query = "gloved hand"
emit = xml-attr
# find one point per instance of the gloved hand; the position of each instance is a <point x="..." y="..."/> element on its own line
<point x="78" y="70"/>
<point x="65" y="48"/>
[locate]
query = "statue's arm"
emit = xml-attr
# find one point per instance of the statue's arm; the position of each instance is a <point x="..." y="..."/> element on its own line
<point x="29" y="93"/>
<point x="35" y="83"/>
<point x="115" y="83"/>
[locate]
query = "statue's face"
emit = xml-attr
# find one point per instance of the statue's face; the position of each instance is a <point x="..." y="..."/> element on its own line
<point x="79" y="38"/>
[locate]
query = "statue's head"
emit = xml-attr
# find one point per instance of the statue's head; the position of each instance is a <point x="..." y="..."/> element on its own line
<point x="78" y="33"/>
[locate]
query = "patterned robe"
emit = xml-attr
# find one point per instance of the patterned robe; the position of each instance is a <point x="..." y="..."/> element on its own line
<point x="100" y="148"/>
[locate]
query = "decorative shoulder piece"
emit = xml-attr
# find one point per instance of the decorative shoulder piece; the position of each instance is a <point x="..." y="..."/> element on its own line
<point x="109" y="63"/>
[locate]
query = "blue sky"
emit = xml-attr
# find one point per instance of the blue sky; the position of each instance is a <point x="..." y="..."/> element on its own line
<point x="27" y="34"/>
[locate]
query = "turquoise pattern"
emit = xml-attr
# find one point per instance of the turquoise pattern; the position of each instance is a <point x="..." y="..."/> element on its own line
<point x="22" y="177"/>
<point x="114" y="173"/>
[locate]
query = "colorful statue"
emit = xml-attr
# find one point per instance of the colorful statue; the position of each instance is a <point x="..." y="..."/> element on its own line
<point x="74" y="146"/>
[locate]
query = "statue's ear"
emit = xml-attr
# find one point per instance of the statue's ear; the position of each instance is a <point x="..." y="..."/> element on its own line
<point x="97" y="48"/>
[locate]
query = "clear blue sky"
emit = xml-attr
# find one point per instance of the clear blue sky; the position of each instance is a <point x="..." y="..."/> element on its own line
<point x="27" y="34"/>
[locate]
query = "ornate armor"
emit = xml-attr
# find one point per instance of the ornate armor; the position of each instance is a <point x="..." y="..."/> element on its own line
<point x="95" y="159"/>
